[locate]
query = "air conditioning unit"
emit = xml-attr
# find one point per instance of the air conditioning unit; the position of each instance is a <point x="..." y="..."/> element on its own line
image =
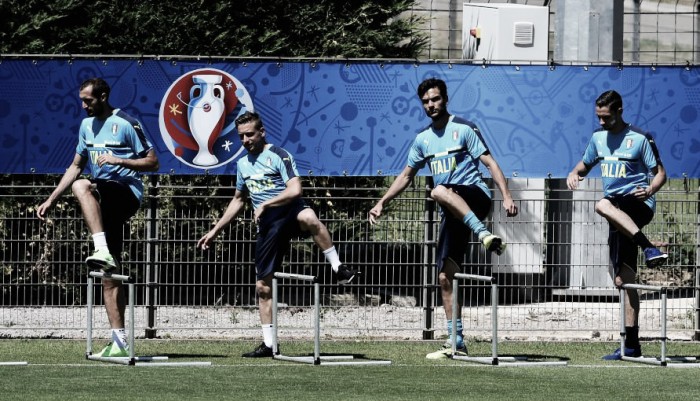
<point x="505" y="32"/>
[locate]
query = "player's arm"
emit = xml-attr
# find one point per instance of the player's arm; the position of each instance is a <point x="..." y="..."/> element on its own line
<point x="234" y="207"/>
<point x="500" y="180"/>
<point x="292" y="191"/>
<point x="656" y="183"/>
<point x="401" y="182"/>
<point x="72" y="173"/>
<point x="659" y="179"/>
<point x="580" y="170"/>
<point x="146" y="163"/>
<point x="651" y="158"/>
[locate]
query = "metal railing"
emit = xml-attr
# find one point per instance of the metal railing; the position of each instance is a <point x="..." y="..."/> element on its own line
<point x="554" y="275"/>
<point x="655" y="31"/>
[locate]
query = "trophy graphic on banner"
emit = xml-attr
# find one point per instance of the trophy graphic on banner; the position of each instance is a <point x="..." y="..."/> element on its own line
<point x="205" y="116"/>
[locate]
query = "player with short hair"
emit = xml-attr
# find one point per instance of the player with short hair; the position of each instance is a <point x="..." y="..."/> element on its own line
<point x="116" y="148"/>
<point x="627" y="155"/>
<point x="452" y="148"/>
<point x="268" y="175"/>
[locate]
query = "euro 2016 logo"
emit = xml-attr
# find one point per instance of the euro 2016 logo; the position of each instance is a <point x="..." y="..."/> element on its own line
<point x="197" y="117"/>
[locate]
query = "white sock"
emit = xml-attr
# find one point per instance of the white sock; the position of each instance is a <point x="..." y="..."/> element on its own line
<point x="332" y="258"/>
<point x="119" y="337"/>
<point x="100" y="241"/>
<point x="267" y="334"/>
<point x="484" y="234"/>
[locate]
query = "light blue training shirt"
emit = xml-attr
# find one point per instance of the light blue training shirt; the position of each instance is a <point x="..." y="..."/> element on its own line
<point x="120" y="135"/>
<point x="452" y="154"/>
<point x="626" y="160"/>
<point x="265" y="175"/>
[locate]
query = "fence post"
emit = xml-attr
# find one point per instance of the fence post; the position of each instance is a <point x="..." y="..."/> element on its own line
<point x="696" y="51"/>
<point x="696" y="334"/>
<point x="152" y="264"/>
<point x="429" y="274"/>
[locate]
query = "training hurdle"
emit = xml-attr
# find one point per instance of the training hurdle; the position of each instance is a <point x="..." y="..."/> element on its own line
<point x="662" y="360"/>
<point x="317" y="358"/>
<point x="132" y="359"/>
<point x="494" y="359"/>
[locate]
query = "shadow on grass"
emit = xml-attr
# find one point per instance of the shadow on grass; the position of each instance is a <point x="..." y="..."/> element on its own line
<point x="190" y="356"/>
<point x="529" y="357"/>
<point x="339" y="355"/>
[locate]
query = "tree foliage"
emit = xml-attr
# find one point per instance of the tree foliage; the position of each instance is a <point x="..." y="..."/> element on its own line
<point x="35" y="255"/>
<point x="266" y="28"/>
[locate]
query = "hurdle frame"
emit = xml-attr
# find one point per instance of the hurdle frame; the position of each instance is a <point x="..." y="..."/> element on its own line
<point x="132" y="359"/>
<point x="663" y="359"/>
<point x="317" y="358"/>
<point x="494" y="359"/>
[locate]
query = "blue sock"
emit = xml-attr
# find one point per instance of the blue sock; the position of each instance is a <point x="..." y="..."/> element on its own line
<point x="460" y="336"/>
<point x="473" y="222"/>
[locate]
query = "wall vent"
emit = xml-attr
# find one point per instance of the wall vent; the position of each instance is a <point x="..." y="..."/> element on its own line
<point x="523" y="33"/>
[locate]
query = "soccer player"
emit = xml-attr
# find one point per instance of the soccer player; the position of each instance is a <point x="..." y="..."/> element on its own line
<point x="452" y="148"/>
<point x="626" y="155"/>
<point x="116" y="148"/>
<point x="268" y="175"/>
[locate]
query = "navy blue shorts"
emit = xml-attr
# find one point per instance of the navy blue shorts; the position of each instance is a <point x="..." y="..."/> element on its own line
<point x="454" y="234"/>
<point x="276" y="227"/>
<point x="622" y="249"/>
<point x="117" y="205"/>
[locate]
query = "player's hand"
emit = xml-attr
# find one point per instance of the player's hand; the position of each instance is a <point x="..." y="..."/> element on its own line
<point x="107" y="158"/>
<point x="374" y="214"/>
<point x="572" y="180"/>
<point x="642" y="193"/>
<point x="257" y="213"/>
<point x="510" y="207"/>
<point x="42" y="209"/>
<point x="206" y="240"/>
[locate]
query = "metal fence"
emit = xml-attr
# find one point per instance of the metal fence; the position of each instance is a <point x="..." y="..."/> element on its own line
<point x="655" y="31"/>
<point x="554" y="275"/>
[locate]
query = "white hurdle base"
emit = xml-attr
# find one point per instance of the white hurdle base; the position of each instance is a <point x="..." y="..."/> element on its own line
<point x="317" y="358"/>
<point x="494" y="359"/>
<point x="663" y="359"/>
<point x="132" y="359"/>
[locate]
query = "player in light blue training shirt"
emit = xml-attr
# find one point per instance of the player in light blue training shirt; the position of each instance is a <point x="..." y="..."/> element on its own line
<point x="268" y="175"/>
<point x="627" y="156"/>
<point x="453" y="149"/>
<point x="452" y="153"/>
<point x="115" y="147"/>
<point x="264" y="176"/>
<point x="120" y="136"/>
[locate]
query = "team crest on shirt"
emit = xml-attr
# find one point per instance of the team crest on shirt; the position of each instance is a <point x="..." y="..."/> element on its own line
<point x="269" y="162"/>
<point x="630" y="142"/>
<point x="455" y="135"/>
<point x="115" y="127"/>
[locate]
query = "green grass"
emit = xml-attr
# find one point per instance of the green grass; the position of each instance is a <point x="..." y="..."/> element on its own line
<point x="58" y="370"/>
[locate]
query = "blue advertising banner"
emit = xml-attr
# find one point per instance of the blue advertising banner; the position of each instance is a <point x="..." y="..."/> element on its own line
<point x="355" y="118"/>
